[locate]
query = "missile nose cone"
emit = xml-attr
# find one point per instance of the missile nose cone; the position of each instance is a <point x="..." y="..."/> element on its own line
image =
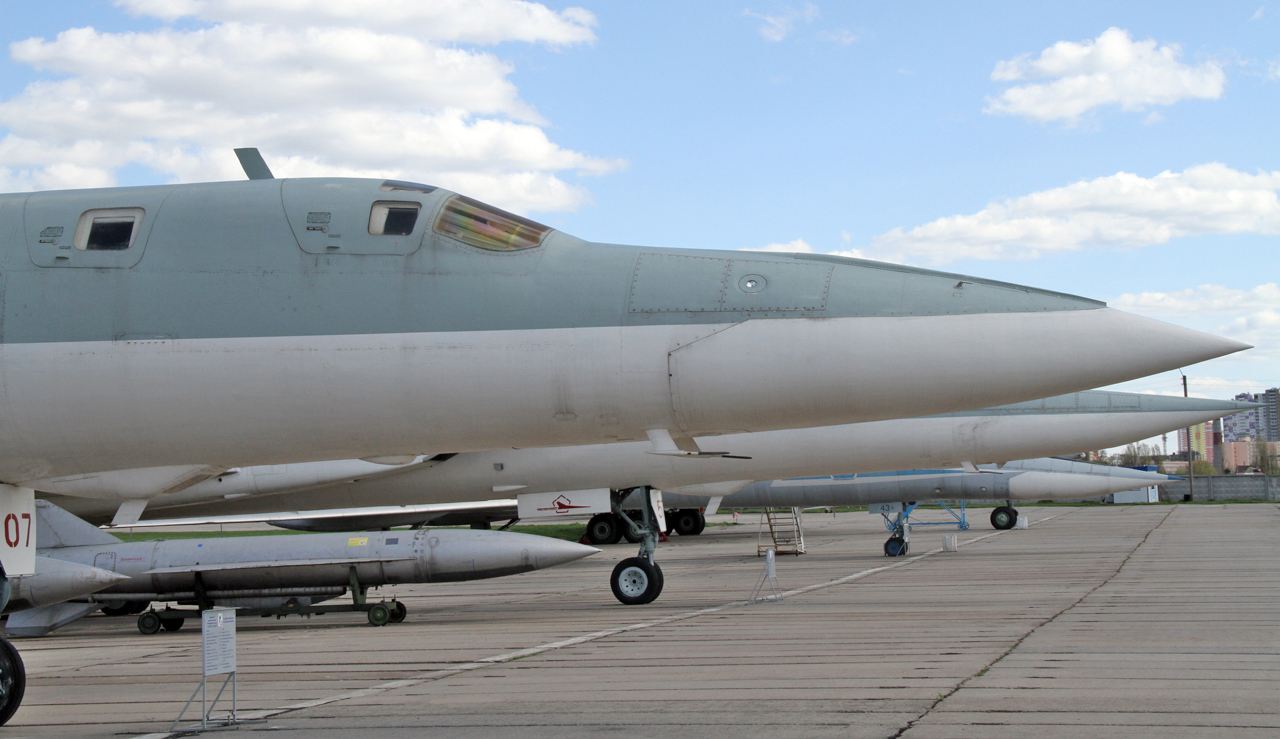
<point x="554" y="552"/>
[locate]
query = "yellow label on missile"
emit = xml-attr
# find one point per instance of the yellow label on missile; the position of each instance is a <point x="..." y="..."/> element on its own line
<point x="358" y="541"/>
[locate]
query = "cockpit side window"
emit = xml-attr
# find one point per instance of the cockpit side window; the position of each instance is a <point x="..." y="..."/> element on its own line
<point x="390" y="218"/>
<point x="107" y="229"/>
<point x="488" y="227"/>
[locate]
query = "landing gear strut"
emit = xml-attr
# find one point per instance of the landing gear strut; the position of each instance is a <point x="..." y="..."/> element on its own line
<point x="1005" y="517"/>
<point x="637" y="580"/>
<point x="899" y="542"/>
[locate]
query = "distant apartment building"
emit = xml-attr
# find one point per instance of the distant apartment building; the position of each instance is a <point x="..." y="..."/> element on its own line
<point x="1238" y="456"/>
<point x="1200" y="443"/>
<point x="1258" y="423"/>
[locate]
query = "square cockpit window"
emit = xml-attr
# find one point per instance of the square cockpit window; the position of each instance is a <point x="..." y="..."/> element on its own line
<point x="388" y="218"/>
<point x="108" y="229"/>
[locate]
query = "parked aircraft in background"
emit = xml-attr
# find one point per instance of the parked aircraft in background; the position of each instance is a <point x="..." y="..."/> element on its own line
<point x="432" y="492"/>
<point x="1026" y="480"/>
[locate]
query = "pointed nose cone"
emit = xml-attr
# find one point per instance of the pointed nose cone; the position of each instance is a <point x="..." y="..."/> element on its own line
<point x="831" y="371"/>
<point x="554" y="552"/>
<point x="55" y="581"/>
<point x="1164" y="345"/>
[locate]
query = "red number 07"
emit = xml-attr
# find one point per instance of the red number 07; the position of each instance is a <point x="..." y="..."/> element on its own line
<point x="13" y="529"/>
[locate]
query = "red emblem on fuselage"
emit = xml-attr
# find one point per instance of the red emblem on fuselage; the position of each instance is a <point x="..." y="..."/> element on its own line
<point x="562" y="505"/>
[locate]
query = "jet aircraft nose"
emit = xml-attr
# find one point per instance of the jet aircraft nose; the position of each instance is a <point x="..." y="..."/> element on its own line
<point x="883" y="341"/>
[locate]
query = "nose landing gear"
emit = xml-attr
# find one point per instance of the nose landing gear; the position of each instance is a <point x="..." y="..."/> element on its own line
<point x="1005" y="517"/>
<point x="636" y="580"/>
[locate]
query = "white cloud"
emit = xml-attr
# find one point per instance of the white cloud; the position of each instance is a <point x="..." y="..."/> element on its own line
<point x="1251" y="316"/>
<point x="360" y="89"/>
<point x="1273" y="70"/>
<point x="1112" y="69"/>
<point x="466" y="21"/>
<point x="778" y="27"/>
<point x="839" y="36"/>
<point x="799" y="245"/>
<point x="1122" y="210"/>
<point x="803" y="247"/>
<point x="1202" y="300"/>
<point x="1257" y="14"/>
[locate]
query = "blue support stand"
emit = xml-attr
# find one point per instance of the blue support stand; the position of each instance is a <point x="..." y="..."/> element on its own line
<point x="957" y="518"/>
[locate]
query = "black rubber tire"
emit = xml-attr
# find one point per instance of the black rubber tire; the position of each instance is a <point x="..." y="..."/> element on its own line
<point x="702" y="523"/>
<point x="398" y="612"/>
<point x="379" y="615"/>
<point x="13" y="681"/>
<point x="635" y="581"/>
<point x="604" y="528"/>
<point x="687" y="521"/>
<point x="896" y="546"/>
<point x="138" y="606"/>
<point x="626" y="533"/>
<point x="1004" y="518"/>
<point x="662" y="580"/>
<point x="172" y="624"/>
<point x="124" y="609"/>
<point x="149" y="623"/>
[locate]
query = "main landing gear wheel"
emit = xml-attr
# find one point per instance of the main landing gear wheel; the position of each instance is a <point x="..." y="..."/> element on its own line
<point x="688" y="522"/>
<point x="896" y="546"/>
<point x="1004" y="518"/>
<point x="628" y="534"/>
<point x="13" y="681"/>
<point x="149" y="623"/>
<point x="636" y="581"/>
<point x="398" y="612"/>
<point x="172" y="624"/>
<point x="379" y="615"/>
<point x="122" y="609"/>
<point x="604" y="528"/>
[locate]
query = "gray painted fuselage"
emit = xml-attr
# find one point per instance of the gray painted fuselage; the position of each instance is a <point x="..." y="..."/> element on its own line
<point x="234" y="332"/>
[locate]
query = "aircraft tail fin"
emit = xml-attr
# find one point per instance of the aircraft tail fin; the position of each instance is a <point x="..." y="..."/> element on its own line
<point x="57" y="528"/>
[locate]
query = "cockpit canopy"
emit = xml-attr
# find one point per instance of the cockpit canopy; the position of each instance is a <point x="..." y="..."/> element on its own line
<point x="487" y="227"/>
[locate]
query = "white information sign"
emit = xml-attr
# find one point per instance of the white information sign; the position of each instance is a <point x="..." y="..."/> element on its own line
<point x="887" y="509"/>
<point x="219" y="632"/>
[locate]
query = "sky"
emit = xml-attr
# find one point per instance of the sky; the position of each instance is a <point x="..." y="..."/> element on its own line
<point x="1121" y="151"/>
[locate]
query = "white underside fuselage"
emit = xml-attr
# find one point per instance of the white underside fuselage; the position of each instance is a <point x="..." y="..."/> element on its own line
<point x="75" y="408"/>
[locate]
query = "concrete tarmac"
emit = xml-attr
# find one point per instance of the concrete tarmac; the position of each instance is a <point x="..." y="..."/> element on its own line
<point x="1103" y="622"/>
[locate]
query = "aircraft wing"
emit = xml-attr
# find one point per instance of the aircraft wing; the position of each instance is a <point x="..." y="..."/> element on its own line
<point x="271" y="563"/>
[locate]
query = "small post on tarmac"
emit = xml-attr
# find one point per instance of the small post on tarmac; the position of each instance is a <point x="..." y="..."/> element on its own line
<point x="768" y="576"/>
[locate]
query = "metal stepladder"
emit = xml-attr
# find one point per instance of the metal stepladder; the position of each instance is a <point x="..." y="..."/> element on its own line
<point x="786" y="534"/>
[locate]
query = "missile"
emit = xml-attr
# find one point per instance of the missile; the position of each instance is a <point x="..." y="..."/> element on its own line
<point x="269" y="572"/>
<point x="58" y="580"/>
<point x="1031" y="479"/>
